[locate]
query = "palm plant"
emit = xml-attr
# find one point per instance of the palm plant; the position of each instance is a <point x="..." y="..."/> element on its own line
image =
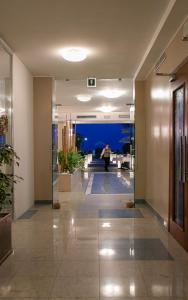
<point x="7" y="158"/>
<point x="70" y="161"/>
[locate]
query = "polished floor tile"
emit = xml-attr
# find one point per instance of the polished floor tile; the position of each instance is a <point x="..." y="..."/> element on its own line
<point x="111" y="183"/>
<point x="76" y="287"/>
<point x="74" y="254"/>
<point x="120" y="213"/>
<point x="134" y="249"/>
<point x="28" y="214"/>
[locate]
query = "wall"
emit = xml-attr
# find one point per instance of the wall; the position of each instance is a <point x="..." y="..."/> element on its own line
<point x="23" y="136"/>
<point x="43" y="90"/>
<point x="140" y="127"/>
<point x="157" y="103"/>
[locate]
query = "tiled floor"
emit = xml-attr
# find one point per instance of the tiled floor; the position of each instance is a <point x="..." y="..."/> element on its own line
<point x="112" y="183"/>
<point x="73" y="254"/>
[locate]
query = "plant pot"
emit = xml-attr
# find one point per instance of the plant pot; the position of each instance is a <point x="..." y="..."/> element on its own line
<point x="68" y="182"/>
<point x="5" y="236"/>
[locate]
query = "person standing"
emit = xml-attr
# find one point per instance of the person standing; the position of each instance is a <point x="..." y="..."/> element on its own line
<point x="105" y="154"/>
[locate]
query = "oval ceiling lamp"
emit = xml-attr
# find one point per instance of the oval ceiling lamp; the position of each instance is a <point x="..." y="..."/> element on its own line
<point x="74" y="54"/>
<point x="83" y="98"/>
<point x="112" y="93"/>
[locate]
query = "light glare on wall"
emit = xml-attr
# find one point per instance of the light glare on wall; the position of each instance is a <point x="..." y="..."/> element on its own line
<point x="156" y="131"/>
<point x="160" y="94"/>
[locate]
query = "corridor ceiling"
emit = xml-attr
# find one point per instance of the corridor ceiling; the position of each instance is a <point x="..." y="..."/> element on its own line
<point x="67" y="91"/>
<point x="119" y="34"/>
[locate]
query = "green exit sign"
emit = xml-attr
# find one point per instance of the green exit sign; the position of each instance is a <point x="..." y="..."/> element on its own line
<point x="91" y="82"/>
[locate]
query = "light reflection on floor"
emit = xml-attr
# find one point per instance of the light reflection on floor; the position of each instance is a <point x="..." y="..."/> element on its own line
<point x="72" y="254"/>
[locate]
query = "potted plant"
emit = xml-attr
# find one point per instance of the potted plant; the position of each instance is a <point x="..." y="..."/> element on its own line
<point x="7" y="179"/>
<point x="70" y="165"/>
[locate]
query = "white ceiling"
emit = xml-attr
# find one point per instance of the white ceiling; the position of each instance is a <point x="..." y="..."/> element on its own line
<point x="124" y="38"/>
<point x="116" y="32"/>
<point x="66" y="92"/>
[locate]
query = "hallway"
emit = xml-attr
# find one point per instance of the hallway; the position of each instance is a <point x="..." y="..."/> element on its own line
<point x="93" y="120"/>
<point x="93" y="248"/>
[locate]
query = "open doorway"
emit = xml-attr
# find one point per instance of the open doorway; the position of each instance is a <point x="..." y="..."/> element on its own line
<point x="85" y="120"/>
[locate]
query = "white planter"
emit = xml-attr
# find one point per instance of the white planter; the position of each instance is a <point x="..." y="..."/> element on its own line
<point x="67" y="182"/>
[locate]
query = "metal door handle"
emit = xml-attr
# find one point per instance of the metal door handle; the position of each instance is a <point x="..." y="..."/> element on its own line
<point x="183" y="159"/>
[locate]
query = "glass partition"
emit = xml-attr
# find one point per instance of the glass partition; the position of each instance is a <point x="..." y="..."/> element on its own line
<point x="5" y="98"/>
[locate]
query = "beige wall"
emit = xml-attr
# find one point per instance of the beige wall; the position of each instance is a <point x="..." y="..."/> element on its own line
<point x="23" y="136"/>
<point x="157" y="103"/>
<point x="43" y="89"/>
<point x="140" y="140"/>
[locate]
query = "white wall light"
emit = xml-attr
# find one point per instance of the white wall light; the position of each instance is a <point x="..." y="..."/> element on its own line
<point x="74" y="54"/>
<point x="132" y="112"/>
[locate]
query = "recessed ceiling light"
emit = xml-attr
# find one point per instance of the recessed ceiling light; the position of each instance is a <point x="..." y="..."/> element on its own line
<point x="106" y="109"/>
<point x="112" y="93"/>
<point x="83" y="98"/>
<point x="74" y="54"/>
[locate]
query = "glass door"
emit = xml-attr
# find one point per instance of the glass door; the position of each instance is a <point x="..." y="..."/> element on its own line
<point x="178" y="224"/>
<point x="6" y="103"/>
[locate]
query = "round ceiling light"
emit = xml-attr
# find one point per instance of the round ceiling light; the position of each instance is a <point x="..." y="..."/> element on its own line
<point x="106" y="109"/>
<point x="112" y="93"/>
<point x="74" y="54"/>
<point x="83" y="98"/>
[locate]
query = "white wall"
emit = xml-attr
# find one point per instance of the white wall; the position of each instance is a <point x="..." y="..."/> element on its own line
<point x="23" y="136"/>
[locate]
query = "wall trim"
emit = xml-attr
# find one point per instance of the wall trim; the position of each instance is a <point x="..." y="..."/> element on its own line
<point x="160" y="219"/>
<point x="140" y="201"/>
<point x="43" y="202"/>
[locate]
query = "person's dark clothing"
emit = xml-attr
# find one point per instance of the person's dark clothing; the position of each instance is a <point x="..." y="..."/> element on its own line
<point x="107" y="162"/>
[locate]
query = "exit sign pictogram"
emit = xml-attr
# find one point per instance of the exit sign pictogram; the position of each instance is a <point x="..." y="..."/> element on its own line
<point x="91" y="82"/>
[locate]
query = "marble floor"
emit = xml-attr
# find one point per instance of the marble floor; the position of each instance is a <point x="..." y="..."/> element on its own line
<point x="80" y="252"/>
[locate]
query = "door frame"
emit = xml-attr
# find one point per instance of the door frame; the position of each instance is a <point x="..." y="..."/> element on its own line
<point x="177" y="232"/>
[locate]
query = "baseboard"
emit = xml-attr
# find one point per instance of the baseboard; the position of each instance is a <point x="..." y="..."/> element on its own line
<point x="157" y="215"/>
<point x="43" y="202"/>
<point x="154" y="212"/>
<point x="140" y="201"/>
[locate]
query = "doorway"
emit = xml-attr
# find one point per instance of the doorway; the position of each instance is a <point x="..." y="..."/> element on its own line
<point x="108" y="109"/>
<point x="178" y="219"/>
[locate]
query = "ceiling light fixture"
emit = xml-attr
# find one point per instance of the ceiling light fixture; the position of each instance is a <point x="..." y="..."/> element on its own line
<point x="74" y="54"/>
<point x="112" y="93"/>
<point x="83" y="98"/>
<point x="106" y="109"/>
